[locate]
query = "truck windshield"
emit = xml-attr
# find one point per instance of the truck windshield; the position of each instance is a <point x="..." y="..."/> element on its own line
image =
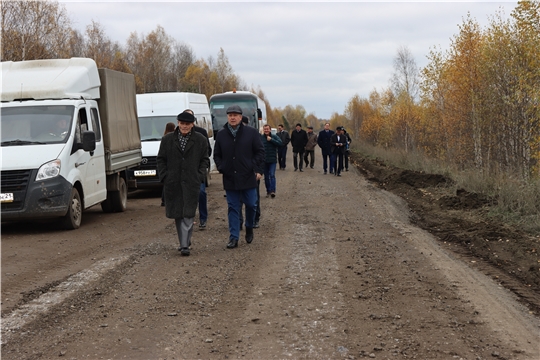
<point x="27" y="125"/>
<point x="218" y="108"/>
<point x="153" y="127"/>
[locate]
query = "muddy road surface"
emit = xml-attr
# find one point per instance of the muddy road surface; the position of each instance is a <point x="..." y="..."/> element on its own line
<point x="339" y="269"/>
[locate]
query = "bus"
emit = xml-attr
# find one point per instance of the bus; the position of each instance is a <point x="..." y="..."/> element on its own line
<point x="252" y="106"/>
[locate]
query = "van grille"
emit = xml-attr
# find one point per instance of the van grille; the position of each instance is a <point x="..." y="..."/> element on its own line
<point x="16" y="182"/>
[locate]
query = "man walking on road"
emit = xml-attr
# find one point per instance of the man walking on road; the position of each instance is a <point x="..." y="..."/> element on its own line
<point x="282" y="150"/>
<point x="182" y="163"/>
<point x="299" y="140"/>
<point x="239" y="156"/>
<point x="310" y="147"/>
<point x="339" y="143"/>
<point x="323" y="140"/>
<point x="271" y="144"/>
<point x="203" y="200"/>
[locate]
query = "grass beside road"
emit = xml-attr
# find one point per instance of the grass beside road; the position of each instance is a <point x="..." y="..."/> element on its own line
<point x="515" y="202"/>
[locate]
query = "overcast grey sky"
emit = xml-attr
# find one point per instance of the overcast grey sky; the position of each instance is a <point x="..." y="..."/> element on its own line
<point x="314" y="54"/>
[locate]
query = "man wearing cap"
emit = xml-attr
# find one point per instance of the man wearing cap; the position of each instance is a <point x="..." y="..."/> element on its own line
<point x="310" y="147"/>
<point x="239" y="157"/>
<point x="298" y="141"/>
<point x="338" y="143"/>
<point x="182" y="162"/>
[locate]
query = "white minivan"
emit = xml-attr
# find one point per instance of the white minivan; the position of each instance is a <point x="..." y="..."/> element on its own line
<point x="155" y="110"/>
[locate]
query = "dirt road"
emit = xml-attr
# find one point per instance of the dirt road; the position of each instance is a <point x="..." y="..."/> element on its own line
<point x="336" y="270"/>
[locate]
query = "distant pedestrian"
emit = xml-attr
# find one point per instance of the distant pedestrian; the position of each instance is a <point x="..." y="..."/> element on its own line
<point x="347" y="150"/>
<point x="239" y="157"/>
<point x="310" y="147"/>
<point x="323" y="140"/>
<point x="271" y="144"/>
<point x="203" y="197"/>
<point x="298" y="141"/>
<point x="182" y="162"/>
<point x="339" y="142"/>
<point x="282" y="151"/>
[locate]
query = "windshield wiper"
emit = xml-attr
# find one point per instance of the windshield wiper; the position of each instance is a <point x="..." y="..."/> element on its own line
<point x="21" y="142"/>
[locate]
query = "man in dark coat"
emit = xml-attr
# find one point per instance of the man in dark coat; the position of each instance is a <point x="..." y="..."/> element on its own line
<point x="339" y="144"/>
<point x="323" y="140"/>
<point x="282" y="150"/>
<point x="239" y="156"/>
<point x="203" y="198"/>
<point x="182" y="163"/>
<point x="299" y="140"/>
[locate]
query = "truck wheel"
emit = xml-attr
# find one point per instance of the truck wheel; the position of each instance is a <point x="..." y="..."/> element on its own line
<point x="119" y="198"/>
<point x="72" y="219"/>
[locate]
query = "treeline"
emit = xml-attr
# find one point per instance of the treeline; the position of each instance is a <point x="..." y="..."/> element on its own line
<point x="43" y="30"/>
<point x="475" y="105"/>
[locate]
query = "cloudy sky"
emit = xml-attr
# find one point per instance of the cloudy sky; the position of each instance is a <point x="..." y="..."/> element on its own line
<point x="314" y="54"/>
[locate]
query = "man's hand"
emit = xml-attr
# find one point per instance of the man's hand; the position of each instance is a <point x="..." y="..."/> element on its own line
<point x="258" y="176"/>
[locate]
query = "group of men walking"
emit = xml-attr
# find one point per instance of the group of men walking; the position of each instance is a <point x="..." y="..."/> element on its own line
<point x="334" y="147"/>
<point x="242" y="155"/>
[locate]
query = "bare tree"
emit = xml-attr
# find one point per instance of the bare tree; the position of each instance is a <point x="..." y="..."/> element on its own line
<point x="34" y="30"/>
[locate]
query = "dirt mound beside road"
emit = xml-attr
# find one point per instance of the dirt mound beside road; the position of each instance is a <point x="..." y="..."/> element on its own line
<point x="460" y="220"/>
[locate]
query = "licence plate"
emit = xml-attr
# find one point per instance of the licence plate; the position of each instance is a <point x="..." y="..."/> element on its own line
<point x="145" y="172"/>
<point x="6" y="198"/>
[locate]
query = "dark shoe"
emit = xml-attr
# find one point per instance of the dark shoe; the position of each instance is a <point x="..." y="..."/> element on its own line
<point x="301" y="170"/>
<point x="202" y="224"/>
<point x="273" y="194"/>
<point x="256" y="224"/>
<point x="249" y="235"/>
<point x="338" y="174"/>
<point x="311" y="167"/>
<point x="347" y="169"/>
<point x="232" y="243"/>
<point x="295" y="169"/>
<point x="184" y="251"/>
<point x="162" y="203"/>
<point x="324" y="173"/>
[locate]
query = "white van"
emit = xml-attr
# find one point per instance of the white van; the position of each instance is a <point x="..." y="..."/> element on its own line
<point x="69" y="136"/>
<point x="155" y="110"/>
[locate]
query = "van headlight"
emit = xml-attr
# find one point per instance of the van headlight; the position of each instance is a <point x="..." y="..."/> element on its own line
<point x="48" y="170"/>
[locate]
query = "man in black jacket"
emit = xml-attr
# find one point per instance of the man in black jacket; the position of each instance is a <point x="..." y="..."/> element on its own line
<point x="338" y="143"/>
<point x="299" y="140"/>
<point x="323" y="140"/>
<point x="203" y="199"/>
<point x="239" y="157"/>
<point x="282" y="150"/>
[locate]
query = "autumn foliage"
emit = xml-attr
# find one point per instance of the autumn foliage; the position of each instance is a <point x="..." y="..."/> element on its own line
<point x="475" y="104"/>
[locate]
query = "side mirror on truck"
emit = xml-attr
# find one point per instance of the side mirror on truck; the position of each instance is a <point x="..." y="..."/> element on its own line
<point x="89" y="141"/>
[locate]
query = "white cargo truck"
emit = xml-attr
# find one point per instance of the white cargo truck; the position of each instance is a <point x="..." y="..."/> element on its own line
<point x="155" y="110"/>
<point x="69" y="133"/>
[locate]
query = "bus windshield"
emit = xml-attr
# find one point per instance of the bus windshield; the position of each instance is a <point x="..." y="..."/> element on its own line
<point x="218" y="108"/>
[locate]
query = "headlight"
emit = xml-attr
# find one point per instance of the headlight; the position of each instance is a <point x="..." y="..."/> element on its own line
<point x="48" y="170"/>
